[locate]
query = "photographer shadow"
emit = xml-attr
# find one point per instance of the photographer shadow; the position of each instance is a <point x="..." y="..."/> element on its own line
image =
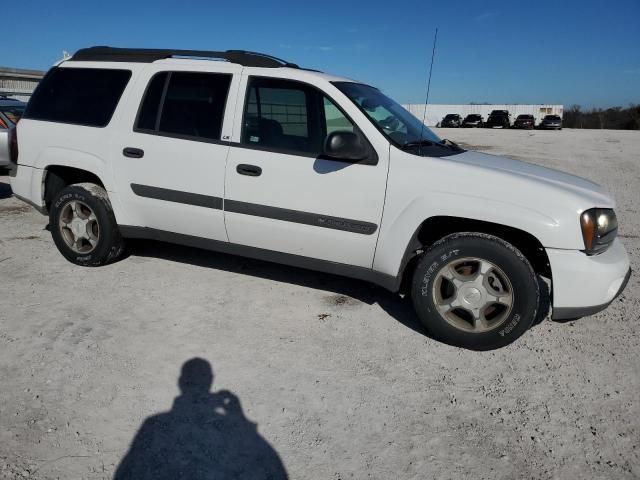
<point x="205" y="435"/>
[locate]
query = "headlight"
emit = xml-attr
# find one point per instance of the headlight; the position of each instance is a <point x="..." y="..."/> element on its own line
<point x="599" y="229"/>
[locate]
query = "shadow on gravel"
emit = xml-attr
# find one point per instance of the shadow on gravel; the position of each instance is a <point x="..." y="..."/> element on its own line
<point x="397" y="306"/>
<point x="394" y="304"/>
<point x="5" y="190"/>
<point x="204" y="435"/>
<point x="358" y="289"/>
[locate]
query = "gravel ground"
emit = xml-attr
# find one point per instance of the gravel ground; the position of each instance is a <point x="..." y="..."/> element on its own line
<point x="323" y="376"/>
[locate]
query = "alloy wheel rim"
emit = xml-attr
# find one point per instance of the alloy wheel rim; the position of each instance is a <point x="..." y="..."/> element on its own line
<point x="473" y="294"/>
<point x="79" y="227"/>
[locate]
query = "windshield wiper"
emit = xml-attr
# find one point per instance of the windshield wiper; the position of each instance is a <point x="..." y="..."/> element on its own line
<point x="418" y="143"/>
<point x="448" y="144"/>
<point x="445" y="142"/>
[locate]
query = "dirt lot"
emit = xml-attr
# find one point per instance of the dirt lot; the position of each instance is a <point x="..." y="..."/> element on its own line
<point x="339" y="378"/>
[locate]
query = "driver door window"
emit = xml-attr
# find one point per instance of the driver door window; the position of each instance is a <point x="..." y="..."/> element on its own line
<point x="282" y="115"/>
<point x="335" y="120"/>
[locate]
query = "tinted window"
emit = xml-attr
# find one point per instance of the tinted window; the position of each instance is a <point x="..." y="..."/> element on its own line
<point x="286" y="115"/>
<point x="191" y="104"/>
<point x="83" y="96"/>
<point x="151" y="104"/>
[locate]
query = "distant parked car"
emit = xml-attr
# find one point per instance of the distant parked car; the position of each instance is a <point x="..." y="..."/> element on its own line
<point x="10" y="112"/>
<point x="451" y="120"/>
<point x="551" y="122"/>
<point x="524" y="121"/>
<point x="473" y="120"/>
<point x="498" y="119"/>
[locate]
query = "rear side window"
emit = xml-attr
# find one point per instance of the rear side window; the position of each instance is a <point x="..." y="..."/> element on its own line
<point x="81" y="96"/>
<point x="185" y="104"/>
<point x="151" y="104"/>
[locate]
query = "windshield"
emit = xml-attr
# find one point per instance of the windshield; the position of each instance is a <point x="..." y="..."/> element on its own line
<point x="473" y="117"/>
<point x="13" y="113"/>
<point x="451" y="117"/>
<point x="388" y="116"/>
<point x="552" y="117"/>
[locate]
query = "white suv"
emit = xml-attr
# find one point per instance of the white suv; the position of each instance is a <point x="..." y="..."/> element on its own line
<point x="258" y="157"/>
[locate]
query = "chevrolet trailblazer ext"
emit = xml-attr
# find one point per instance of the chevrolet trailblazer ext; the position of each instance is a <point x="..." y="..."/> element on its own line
<point x="258" y="157"/>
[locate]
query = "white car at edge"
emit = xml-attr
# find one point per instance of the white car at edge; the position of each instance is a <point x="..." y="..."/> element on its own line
<point x="258" y="157"/>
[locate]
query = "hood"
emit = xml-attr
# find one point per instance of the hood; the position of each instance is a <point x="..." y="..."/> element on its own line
<point x="549" y="179"/>
<point x="544" y="202"/>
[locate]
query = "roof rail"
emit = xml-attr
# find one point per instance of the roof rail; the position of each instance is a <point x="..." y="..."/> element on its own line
<point x="148" y="55"/>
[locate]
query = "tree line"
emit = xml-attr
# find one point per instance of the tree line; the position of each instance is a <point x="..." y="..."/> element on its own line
<point x="616" y="118"/>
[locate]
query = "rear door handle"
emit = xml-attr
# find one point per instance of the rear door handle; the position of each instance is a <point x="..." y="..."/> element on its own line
<point x="250" y="170"/>
<point x="133" y="152"/>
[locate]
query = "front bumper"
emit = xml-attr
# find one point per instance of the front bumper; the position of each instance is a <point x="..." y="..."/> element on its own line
<point x="584" y="285"/>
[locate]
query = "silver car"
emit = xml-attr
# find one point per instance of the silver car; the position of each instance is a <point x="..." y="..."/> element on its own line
<point x="551" y="122"/>
<point x="10" y="112"/>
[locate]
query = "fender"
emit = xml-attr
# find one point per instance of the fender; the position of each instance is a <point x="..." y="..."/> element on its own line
<point x="396" y="235"/>
<point x="67" y="157"/>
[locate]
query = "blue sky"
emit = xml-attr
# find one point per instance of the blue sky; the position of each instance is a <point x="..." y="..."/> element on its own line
<point x="539" y="51"/>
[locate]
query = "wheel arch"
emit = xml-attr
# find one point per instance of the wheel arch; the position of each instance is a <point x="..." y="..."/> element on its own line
<point x="434" y="228"/>
<point x="57" y="177"/>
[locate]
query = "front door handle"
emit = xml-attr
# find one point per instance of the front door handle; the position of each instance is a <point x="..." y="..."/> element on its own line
<point x="250" y="170"/>
<point x="133" y="152"/>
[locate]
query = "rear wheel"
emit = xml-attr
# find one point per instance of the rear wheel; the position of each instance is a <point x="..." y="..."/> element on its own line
<point x="475" y="291"/>
<point x="83" y="225"/>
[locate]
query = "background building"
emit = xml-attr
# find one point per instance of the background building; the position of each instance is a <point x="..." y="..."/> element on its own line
<point x="18" y="83"/>
<point x="435" y="113"/>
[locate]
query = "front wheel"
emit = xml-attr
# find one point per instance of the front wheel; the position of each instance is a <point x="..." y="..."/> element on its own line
<point x="475" y="291"/>
<point x="83" y="225"/>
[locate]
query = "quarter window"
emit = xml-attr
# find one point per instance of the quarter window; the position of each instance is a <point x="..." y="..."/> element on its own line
<point x="287" y="115"/>
<point x="83" y="96"/>
<point x="185" y="104"/>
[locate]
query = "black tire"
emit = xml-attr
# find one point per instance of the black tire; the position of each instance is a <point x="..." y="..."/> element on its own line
<point x="524" y="283"/>
<point x="109" y="246"/>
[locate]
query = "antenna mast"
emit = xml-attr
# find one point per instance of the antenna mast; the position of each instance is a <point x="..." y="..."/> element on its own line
<point x="426" y="102"/>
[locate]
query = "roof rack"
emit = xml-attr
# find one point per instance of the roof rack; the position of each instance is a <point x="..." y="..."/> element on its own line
<point x="148" y="55"/>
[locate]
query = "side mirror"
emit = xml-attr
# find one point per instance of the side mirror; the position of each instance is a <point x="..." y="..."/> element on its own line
<point x="344" y="145"/>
